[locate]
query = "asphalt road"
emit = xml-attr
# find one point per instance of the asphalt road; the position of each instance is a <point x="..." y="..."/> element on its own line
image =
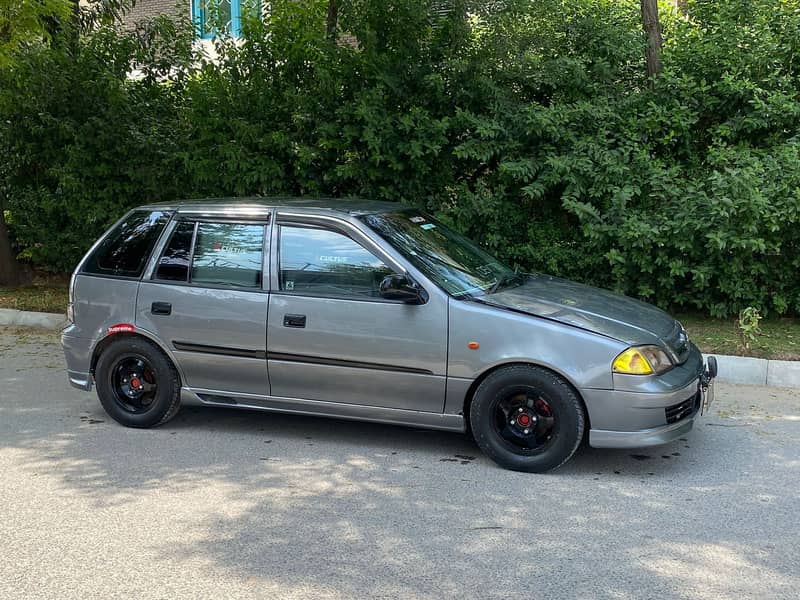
<point x="230" y="504"/>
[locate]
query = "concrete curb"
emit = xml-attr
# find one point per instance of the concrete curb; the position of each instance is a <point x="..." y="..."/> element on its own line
<point x="742" y="369"/>
<point x="25" y="318"/>
<point x="732" y="369"/>
<point x="758" y="371"/>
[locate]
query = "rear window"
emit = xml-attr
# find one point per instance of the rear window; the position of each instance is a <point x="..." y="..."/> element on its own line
<point x="124" y="252"/>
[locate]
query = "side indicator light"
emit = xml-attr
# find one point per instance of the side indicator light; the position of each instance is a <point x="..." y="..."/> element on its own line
<point x="121" y="328"/>
<point x="473" y="345"/>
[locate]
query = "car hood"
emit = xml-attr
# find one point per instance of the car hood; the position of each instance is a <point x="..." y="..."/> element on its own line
<point x="590" y="308"/>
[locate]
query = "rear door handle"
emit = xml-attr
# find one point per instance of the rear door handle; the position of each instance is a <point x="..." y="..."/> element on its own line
<point x="294" y="321"/>
<point x="161" y="308"/>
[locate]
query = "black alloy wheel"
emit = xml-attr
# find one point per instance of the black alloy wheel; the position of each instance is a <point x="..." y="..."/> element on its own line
<point x="527" y="418"/>
<point x="137" y="384"/>
<point x="134" y="384"/>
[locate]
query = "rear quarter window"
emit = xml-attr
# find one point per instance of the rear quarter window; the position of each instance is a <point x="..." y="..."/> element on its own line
<point x="124" y="251"/>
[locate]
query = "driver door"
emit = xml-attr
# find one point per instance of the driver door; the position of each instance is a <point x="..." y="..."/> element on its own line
<point x="331" y="336"/>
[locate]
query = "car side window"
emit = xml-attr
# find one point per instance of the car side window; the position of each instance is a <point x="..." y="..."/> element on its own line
<point x="322" y="262"/>
<point x="125" y="249"/>
<point x="228" y="254"/>
<point x="174" y="262"/>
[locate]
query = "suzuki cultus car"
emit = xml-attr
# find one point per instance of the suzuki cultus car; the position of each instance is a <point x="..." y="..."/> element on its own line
<point x="370" y="311"/>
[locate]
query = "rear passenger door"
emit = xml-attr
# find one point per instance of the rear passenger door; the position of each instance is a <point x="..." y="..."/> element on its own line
<point x="206" y="299"/>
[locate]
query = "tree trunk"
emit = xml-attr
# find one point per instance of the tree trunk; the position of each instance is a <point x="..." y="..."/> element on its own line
<point x="333" y="18"/>
<point x="9" y="269"/>
<point x="652" y="27"/>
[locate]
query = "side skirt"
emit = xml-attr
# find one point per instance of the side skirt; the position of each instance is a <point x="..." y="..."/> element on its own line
<point x="338" y="410"/>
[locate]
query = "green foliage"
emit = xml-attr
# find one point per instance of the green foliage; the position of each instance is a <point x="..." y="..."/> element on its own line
<point x="26" y="22"/>
<point x="528" y="125"/>
<point x="86" y="143"/>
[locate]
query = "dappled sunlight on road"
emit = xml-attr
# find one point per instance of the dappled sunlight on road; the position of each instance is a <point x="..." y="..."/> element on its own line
<point x="707" y="570"/>
<point x="237" y="504"/>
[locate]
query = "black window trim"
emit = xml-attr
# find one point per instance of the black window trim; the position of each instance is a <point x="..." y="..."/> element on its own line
<point x="160" y="248"/>
<point x="191" y="250"/>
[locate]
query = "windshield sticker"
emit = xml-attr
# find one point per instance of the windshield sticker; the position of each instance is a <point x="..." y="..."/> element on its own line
<point x="417" y="219"/>
<point x="428" y="226"/>
<point x="334" y="259"/>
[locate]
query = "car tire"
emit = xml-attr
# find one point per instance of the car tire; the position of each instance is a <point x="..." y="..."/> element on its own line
<point x="137" y="384"/>
<point x="527" y="418"/>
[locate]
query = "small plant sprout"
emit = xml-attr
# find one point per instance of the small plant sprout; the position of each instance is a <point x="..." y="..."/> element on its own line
<point x="749" y="330"/>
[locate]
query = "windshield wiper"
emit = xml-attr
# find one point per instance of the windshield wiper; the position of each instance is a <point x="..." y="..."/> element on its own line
<point x="503" y="279"/>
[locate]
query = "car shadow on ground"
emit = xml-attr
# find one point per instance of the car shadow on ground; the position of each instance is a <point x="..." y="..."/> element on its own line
<point x="406" y="498"/>
<point x="322" y="507"/>
<point x="444" y="446"/>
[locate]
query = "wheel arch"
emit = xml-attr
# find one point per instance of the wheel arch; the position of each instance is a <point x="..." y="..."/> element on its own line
<point x="107" y="340"/>
<point x="473" y="387"/>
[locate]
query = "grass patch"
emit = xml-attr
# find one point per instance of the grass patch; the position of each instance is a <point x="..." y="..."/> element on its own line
<point x="47" y="293"/>
<point x="779" y="339"/>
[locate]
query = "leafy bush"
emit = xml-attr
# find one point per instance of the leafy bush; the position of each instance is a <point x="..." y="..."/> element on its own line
<point x="528" y="125"/>
<point x="83" y="143"/>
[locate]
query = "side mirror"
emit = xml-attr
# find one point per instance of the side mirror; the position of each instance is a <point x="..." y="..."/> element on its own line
<point x="402" y="287"/>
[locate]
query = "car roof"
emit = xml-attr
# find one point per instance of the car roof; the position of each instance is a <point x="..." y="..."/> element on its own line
<point x="255" y="204"/>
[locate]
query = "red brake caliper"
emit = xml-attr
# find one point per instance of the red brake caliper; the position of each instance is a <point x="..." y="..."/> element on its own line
<point x="544" y="408"/>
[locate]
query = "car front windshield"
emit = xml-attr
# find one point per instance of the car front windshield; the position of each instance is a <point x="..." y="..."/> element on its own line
<point x="452" y="261"/>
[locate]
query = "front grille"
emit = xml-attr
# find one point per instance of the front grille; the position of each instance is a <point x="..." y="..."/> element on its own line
<point x="684" y="409"/>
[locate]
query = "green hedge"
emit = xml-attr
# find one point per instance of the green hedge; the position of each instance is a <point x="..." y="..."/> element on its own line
<point x="531" y="128"/>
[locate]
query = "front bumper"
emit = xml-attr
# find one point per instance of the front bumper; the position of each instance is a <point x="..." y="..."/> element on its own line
<point x="627" y="419"/>
<point x="655" y="436"/>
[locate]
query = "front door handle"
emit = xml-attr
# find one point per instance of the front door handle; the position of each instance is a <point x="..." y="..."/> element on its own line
<point x="161" y="308"/>
<point x="294" y="321"/>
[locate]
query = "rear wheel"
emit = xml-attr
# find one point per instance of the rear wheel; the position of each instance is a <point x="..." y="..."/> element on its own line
<point x="137" y="384"/>
<point x="527" y="418"/>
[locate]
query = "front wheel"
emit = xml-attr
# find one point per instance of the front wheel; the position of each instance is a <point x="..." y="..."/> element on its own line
<point x="526" y="418"/>
<point x="137" y="384"/>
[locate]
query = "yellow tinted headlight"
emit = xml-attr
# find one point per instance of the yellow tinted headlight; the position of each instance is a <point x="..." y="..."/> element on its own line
<point x="642" y="360"/>
<point x="632" y="362"/>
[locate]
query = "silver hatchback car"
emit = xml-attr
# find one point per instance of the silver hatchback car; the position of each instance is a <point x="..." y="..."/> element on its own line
<point x="370" y="311"/>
